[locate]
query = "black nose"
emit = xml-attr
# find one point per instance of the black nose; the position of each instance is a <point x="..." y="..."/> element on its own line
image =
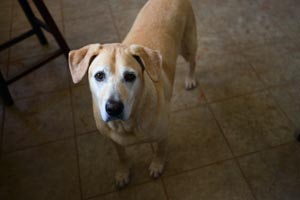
<point x="114" y="108"/>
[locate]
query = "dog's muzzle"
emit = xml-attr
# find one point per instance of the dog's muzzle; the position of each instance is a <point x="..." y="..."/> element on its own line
<point x="114" y="109"/>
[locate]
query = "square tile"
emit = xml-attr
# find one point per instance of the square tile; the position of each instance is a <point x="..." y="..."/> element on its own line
<point x="5" y="18"/>
<point x="83" y="109"/>
<point x="4" y="37"/>
<point x="20" y="21"/>
<point x="194" y="141"/>
<point x="221" y="181"/>
<point x="124" y="20"/>
<point x="147" y="191"/>
<point x="225" y="75"/>
<point x="53" y="76"/>
<point x="45" y="172"/>
<point x="38" y="120"/>
<point x="98" y="163"/>
<point x="275" y="173"/>
<point x="31" y="47"/>
<point x="288" y="99"/>
<point x="253" y="122"/>
<point x="117" y="5"/>
<point x="78" y="9"/>
<point x="275" y="64"/>
<point x="6" y="3"/>
<point x="182" y="98"/>
<point x="79" y="32"/>
<point x="246" y="22"/>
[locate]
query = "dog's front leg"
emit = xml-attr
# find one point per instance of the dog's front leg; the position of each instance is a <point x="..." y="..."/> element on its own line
<point x="122" y="175"/>
<point x="157" y="165"/>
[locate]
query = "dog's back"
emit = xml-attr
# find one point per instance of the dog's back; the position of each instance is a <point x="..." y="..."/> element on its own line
<point x="160" y="25"/>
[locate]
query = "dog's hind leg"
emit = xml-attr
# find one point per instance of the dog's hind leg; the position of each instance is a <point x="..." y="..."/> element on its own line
<point x="157" y="165"/>
<point x="122" y="175"/>
<point x="189" y="51"/>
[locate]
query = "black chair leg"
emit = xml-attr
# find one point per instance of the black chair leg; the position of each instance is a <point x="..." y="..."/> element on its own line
<point x="52" y="26"/>
<point x="32" y="20"/>
<point x="4" y="92"/>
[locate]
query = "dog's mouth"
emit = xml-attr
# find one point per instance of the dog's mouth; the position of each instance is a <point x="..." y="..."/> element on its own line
<point x="114" y="118"/>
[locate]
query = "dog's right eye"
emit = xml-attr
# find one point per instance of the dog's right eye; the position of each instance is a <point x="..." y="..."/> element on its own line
<point x="100" y="76"/>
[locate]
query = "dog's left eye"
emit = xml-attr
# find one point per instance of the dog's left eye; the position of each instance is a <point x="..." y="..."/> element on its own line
<point x="100" y="76"/>
<point x="129" y="77"/>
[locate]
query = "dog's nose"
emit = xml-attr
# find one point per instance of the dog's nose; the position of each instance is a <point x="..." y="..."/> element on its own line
<point x="114" y="108"/>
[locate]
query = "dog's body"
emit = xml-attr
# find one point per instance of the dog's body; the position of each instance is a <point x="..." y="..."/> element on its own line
<point x="131" y="84"/>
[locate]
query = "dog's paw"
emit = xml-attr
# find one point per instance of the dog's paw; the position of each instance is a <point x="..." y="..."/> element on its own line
<point x="156" y="169"/>
<point x="190" y="83"/>
<point x="122" y="178"/>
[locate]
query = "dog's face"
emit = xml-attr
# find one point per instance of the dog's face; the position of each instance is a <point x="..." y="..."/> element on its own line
<point x="116" y="75"/>
<point x="116" y="81"/>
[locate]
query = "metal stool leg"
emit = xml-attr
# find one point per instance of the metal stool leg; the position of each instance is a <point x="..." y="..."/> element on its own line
<point x="32" y="20"/>
<point x="4" y="92"/>
<point x="52" y="26"/>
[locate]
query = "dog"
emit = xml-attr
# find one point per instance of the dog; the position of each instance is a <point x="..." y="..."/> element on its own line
<point x="131" y="82"/>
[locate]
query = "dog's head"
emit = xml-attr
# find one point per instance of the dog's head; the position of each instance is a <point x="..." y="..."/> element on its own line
<point x="116" y="75"/>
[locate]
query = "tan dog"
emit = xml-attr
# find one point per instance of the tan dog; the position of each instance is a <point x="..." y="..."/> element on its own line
<point x="131" y="83"/>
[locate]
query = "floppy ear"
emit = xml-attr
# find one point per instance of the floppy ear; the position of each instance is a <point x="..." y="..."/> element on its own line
<point x="151" y="59"/>
<point x="80" y="59"/>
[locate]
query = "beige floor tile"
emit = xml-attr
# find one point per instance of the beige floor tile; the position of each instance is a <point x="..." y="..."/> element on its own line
<point x="5" y="17"/>
<point x="117" y="5"/>
<point x="149" y="191"/>
<point x="251" y="123"/>
<point x="53" y="76"/>
<point x="45" y="172"/>
<point x="275" y="64"/>
<point x="4" y="37"/>
<point x="78" y="9"/>
<point x="80" y="33"/>
<point x="216" y="43"/>
<point x="83" y="109"/>
<point x="31" y="47"/>
<point x="224" y="75"/>
<point x="222" y="181"/>
<point x="6" y="3"/>
<point x="274" y="174"/>
<point x="237" y="18"/>
<point x="195" y="140"/>
<point x="182" y="98"/>
<point x="98" y="162"/>
<point x="20" y="21"/>
<point x="124" y="20"/>
<point x="37" y="120"/>
<point x="288" y="99"/>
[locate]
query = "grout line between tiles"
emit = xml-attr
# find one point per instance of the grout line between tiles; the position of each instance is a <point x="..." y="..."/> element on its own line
<point x="36" y="145"/>
<point x="75" y="140"/>
<point x="245" y="178"/>
<point x="164" y="188"/>
<point x="128" y="187"/>
<point x="227" y="159"/>
<point x="113" y="20"/>
<point x="10" y="37"/>
<point x="231" y="150"/>
<point x="268" y="90"/>
<point x="265" y="89"/>
<point x="62" y="18"/>
<point x="282" y="110"/>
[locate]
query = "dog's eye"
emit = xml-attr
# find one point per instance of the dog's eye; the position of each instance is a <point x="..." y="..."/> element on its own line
<point x="129" y="77"/>
<point x="100" y="76"/>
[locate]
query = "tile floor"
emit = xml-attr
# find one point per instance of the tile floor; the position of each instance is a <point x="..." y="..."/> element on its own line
<point x="231" y="138"/>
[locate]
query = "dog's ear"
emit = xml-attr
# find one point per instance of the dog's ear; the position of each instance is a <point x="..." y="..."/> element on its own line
<point x="80" y="59"/>
<point x="152" y="60"/>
